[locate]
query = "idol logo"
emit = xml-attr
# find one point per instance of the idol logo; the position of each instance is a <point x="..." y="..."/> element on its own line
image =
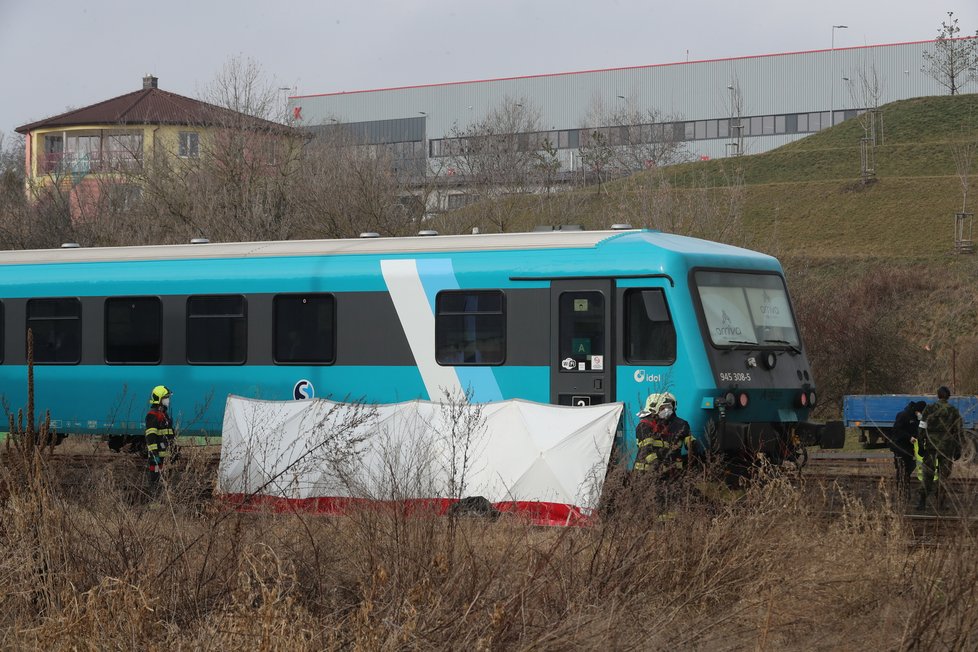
<point x="641" y="376"/>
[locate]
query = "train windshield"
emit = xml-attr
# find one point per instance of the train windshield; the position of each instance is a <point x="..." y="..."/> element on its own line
<point x="746" y="309"/>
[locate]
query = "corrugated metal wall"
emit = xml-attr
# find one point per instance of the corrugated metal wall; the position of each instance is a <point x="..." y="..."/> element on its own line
<point x="768" y="85"/>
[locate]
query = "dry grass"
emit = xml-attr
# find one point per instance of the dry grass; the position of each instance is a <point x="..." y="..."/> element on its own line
<point x="90" y="567"/>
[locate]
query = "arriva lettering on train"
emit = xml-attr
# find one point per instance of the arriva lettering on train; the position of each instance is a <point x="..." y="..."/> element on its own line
<point x="767" y="307"/>
<point x="728" y="331"/>
<point x="642" y="376"/>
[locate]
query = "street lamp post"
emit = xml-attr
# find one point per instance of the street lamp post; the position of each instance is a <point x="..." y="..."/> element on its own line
<point x="285" y="90"/>
<point x="832" y="76"/>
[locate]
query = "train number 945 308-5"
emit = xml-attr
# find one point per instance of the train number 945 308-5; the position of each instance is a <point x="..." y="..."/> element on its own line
<point x="734" y="377"/>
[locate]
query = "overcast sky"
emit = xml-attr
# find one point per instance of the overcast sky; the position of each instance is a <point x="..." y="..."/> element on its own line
<point x="58" y="54"/>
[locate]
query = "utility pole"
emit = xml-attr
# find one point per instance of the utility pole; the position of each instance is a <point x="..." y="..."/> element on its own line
<point x="832" y="75"/>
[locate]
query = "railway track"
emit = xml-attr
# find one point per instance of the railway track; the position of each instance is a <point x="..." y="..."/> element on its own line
<point x="835" y="479"/>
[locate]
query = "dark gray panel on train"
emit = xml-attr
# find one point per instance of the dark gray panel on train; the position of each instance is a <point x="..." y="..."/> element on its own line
<point x="369" y="331"/>
<point x="93" y="330"/>
<point x="528" y="327"/>
<point x="175" y="329"/>
<point x="15" y="316"/>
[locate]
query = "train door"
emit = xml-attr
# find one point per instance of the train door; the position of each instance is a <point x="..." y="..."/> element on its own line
<point x="581" y="347"/>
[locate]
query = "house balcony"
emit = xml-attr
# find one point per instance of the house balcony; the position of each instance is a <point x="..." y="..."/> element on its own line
<point x="60" y="163"/>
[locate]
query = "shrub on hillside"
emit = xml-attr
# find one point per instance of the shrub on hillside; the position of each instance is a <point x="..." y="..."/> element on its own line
<point x="853" y="329"/>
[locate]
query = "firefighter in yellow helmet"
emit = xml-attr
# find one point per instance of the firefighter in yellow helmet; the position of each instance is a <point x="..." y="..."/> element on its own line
<point x="159" y="433"/>
<point x="664" y="439"/>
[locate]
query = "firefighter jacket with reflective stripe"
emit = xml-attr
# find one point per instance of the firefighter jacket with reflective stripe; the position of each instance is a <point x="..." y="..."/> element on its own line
<point x="159" y="436"/>
<point x="665" y="444"/>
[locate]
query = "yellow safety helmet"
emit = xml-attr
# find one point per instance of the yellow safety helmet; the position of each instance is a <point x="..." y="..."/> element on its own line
<point x="651" y="406"/>
<point x="663" y="398"/>
<point x="159" y="393"/>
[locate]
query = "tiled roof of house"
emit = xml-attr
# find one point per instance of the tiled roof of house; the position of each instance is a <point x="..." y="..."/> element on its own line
<point x="152" y="106"/>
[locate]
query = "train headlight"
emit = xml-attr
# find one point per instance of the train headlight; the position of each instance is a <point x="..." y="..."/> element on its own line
<point x="802" y="399"/>
<point x="811" y="398"/>
<point x="733" y="400"/>
<point x="770" y="360"/>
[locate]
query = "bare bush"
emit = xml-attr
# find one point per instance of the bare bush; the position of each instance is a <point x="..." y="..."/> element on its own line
<point x="702" y="208"/>
<point x="963" y="152"/>
<point x="86" y="566"/>
<point x="854" y="332"/>
<point x="343" y="189"/>
<point x="764" y="572"/>
<point x="625" y="140"/>
<point x="30" y="215"/>
<point x="500" y="156"/>
<point x="966" y="356"/>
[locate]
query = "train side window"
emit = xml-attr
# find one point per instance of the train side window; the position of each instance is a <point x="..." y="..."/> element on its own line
<point x="649" y="332"/>
<point x="470" y="328"/>
<point x="56" y="326"/>
<point x="217" y="329"/>
<point x="303" y="328"/>
<point x="1" y="333"/>
<point x="133" y="330"/>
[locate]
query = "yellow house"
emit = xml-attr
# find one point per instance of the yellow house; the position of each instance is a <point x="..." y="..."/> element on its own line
<point x="118" y="139"/>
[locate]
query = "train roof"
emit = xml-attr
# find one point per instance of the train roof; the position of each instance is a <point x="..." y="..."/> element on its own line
<point x="538" y="240"/>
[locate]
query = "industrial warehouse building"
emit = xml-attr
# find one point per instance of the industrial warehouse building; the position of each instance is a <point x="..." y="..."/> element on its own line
<point x="716" y="108"/>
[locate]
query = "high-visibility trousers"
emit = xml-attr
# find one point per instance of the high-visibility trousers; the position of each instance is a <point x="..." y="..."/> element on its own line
<point x="919" y="460"/>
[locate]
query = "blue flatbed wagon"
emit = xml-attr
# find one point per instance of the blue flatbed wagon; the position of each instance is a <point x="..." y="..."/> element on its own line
<point x="874" y="414"/>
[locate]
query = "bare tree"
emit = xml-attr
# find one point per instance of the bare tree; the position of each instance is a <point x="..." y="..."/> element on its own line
<point x="11" y="179"/>
<point x="546" y="165"/>
<point x="963" y="152"/>
<point x="865" y="93"/>
<point x="256" y="179"/>
<point x="709" y="203"/>
<point x="953" y="60"/>
<point x="629" y="140"/>
<point x="645" y="139"/>
<point x="500" y="155"/>
<point x="243" y="87"/>
<point x="13" y="202"/>
<point x="344" y="188"/>
<point x="497" y="152"/>
<point x="735" y="109"/>
<point x="34" y="213"/>
<point x="12" y="158"/>
<point x="595" y="149"/>
<point x="866" y="90"/>
<point x="230" y="177"/>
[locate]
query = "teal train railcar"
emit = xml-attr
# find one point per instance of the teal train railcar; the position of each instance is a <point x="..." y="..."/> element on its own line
<point x="566" y="317"/>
